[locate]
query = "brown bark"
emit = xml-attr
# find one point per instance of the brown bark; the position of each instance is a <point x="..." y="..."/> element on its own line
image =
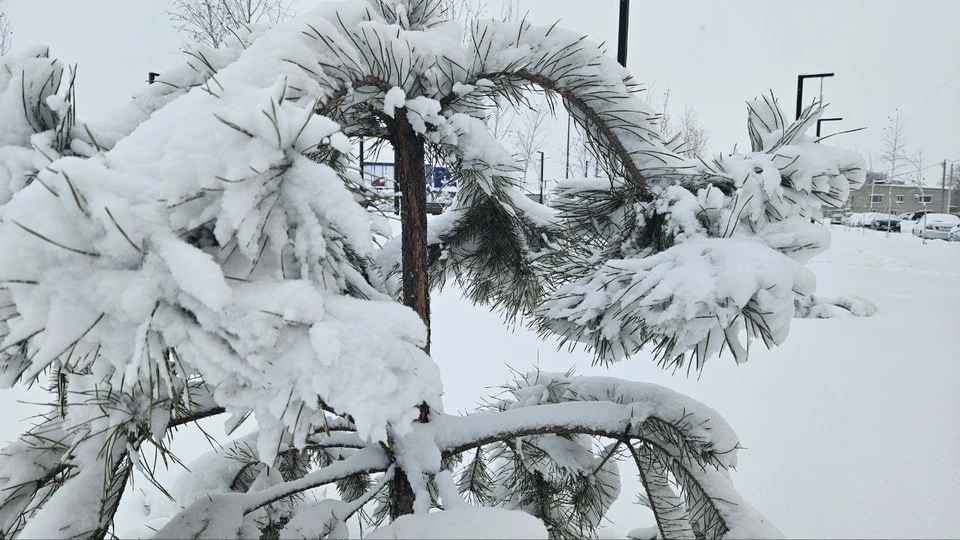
<point x="410" y="169"/>
<point x="402" y="496"/>
<point x="410" y="162"/>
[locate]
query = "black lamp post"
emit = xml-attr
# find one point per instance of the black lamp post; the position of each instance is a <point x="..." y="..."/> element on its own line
<point x="621" y="59"/>
<point x="837" y="119"/>
<point x="362" y="164"/>
<point x="800" y="79"/>
<point x="541" y="177"/>
<point x="624" y="28"/>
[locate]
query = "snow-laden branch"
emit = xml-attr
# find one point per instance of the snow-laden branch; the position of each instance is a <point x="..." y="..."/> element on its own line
<point x="696" y="296"/>
<point x="220" y="516"/>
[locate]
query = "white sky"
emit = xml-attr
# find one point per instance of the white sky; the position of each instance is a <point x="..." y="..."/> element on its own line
<point x="712" y="55"/>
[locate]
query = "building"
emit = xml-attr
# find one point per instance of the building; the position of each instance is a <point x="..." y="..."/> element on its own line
<point x="897" y="198"/>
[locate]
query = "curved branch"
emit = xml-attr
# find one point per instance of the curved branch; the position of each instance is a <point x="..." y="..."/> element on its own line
<point x="207" y="514"/>
<point x="667" y="508"/>
<point x="369" y="460"/>
<point x="195" y="416"/>
<point x="454" y="435"/>
<point x="615" y="142"/>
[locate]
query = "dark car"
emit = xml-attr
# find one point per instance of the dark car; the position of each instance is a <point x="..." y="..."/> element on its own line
<point x="886" y="222"/>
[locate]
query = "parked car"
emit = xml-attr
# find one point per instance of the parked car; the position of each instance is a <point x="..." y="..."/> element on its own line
<point x="856" y="219"/>
<point x="886" y="222"/>
<point x="836" y="219"/>
<point x="936" y="226"/>
<point x="864" y="219"/>
<point x="914" y="216"/>
<point x="954" y="234"/>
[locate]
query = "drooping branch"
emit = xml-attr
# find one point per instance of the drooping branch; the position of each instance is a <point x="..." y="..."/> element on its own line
<point x="667" y="508"/>
<point x="593" y="120"/>
<point x="196" y="518"/>
<point x="455" y="435"/>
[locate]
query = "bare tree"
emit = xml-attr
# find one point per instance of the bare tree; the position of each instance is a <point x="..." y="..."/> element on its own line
<point x="687" y="129"/>
<point x="509" y="10"/>
<point x="914" y="176"/>
<point x="6" y="34"/>
<point x="529" y="134"/>
<point x="209" y="22"/>
<point x="694" y="136"/>
<point x="894" y="150"/>
<point x="463" y="11"/>
<point x="583" y="163"/>
<point x="894" y="154"/>
<point x="525" y="130"/>
<point x="467" y="11"/>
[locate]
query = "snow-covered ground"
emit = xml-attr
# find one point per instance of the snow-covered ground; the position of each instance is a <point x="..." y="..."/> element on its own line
<point x="851" y="428"/>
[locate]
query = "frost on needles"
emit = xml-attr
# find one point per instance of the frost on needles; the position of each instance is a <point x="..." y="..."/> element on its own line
<point x="209" y="249"/>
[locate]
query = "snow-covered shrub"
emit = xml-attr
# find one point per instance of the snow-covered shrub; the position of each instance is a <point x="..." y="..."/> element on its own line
<point x="688" y="255"/>
<point x="240" y="267"/>
<point x="208" y="250"/>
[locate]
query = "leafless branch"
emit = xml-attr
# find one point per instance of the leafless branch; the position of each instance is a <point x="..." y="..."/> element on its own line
<point x="6" y="34"/>
<point x="210" y="22"/>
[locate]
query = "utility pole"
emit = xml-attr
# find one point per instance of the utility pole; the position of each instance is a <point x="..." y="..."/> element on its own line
<point x="950" y="191"/>
<point x="943" y="187"/>
<point x="624" y="28"/>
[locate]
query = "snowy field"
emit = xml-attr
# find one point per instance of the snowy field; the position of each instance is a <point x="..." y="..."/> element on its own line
<point x="851" y="428"/>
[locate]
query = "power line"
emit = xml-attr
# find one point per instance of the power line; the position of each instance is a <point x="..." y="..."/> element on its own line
<point x="937" y="91"/>
<point x="937" y="164"/>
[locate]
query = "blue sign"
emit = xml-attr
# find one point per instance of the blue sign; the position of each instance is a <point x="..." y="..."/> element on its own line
<point x="438" y="177"/>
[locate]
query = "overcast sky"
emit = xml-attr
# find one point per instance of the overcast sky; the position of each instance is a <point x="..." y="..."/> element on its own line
<point x="712" y="56"/>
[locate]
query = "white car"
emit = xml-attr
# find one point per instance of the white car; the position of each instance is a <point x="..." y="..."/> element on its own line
<point x="954" y="234"/>
<point x="856" y="220"/>
<point x="937" y="226"/>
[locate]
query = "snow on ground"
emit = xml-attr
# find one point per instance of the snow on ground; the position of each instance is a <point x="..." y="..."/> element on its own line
<point x="851" y="427"/>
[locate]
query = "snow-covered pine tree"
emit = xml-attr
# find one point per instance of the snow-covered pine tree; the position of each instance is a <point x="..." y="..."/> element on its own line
<point x="209" y="252"/>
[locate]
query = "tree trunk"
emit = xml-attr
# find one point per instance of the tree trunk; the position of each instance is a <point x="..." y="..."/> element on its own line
<point x="410" y="161"/>
<point x="402" y="496"/>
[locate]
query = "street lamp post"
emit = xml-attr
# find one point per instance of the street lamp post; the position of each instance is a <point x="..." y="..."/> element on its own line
<point x="800" y="79"/>
<point x="541" y="177"/>
<point x="624" y="29"/>
<point x="837" y="119"/>
<point x="362" y="164"/>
